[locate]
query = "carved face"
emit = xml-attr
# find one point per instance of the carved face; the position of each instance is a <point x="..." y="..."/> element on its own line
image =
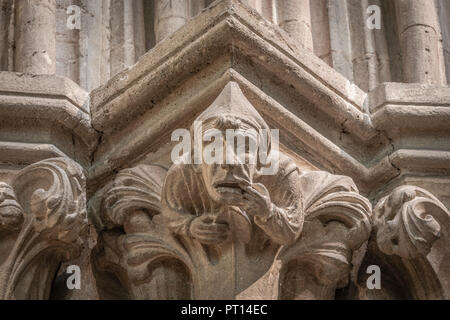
<point x="224" y="181"/>
<point x="10" y="211"/>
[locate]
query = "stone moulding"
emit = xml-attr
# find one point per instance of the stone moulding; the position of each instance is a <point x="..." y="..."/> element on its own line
<point x="42" y="223"/>
<point x="52" y="112"/>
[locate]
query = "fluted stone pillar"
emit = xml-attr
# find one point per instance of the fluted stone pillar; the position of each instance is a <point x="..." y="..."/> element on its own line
<point x="35" y="36"/>
<point x="170" y="15"/>
<point x="295" y="18"/>
<point x="419" y="34"/>
<point x="95" y="49"/>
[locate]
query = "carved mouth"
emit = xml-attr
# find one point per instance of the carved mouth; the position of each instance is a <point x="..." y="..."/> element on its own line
<point x="228" y="187"/>
<point x="10" y="204"/>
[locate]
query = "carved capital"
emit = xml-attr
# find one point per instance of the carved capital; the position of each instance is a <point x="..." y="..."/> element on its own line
<point x="213" y="230"/>
<point x="408" y="222"/>
<point x="42" y="223"/>
<point x="337" y="222"/>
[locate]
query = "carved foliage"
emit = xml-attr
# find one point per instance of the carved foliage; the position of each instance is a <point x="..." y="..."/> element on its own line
<point x="408" y="221"/>
<point x="337" y="222"/>
<point x="43" y="212"/>
<point x="133" y="202"/>
<point x="198" y="218"/>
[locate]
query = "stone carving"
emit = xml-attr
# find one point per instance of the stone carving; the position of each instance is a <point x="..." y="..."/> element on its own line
<point x="171" y="235"/>
<point x="337" y="222"/>
<point x="42" y="223"/>
<point x="407" y="224"/>
<point x="408" y="221"/>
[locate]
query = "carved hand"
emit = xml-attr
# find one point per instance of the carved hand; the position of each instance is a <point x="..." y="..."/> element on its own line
<point x="256" y="201"/>
<point x="206" y="230"/>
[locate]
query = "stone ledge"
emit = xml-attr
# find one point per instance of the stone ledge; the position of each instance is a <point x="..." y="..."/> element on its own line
<point x="51" y="86"/>
<point x="49" y="100"/>
<point x="220" y="30"/>
<point x="17" y="153"/>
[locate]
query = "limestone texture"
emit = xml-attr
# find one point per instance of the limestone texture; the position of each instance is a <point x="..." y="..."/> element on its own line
<point x="346" y="135"/>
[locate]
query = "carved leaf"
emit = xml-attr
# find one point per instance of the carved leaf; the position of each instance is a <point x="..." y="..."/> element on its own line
<point x="134" y="189"/>
<point x="337" y="221"/>
<point x="132" y="201"/>
<point x="330" y="197"/>
<point x="52" y="196"/>
<point x="52" y="193"/>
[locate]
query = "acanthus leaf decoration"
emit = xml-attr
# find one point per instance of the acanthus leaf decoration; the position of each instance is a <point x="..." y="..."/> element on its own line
<point x="132" y="203"/>
<point x="408" y="221"/>
<point x="52" y="199"/>
<point x="337" y="222"/>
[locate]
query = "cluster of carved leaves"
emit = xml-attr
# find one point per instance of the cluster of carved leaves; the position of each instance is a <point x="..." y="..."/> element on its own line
<point x="44" y="212"/>
<point x="408" y="221"/>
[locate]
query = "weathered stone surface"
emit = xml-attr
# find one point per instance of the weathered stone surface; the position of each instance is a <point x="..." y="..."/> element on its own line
<point x="219" y="220"/>
<point x="363" y="117"/>
<point x="35" y="46"/>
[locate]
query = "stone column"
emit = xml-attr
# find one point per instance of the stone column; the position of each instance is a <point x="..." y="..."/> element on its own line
<point x="196" y="6"/>
<point x="35" y="36"/>
<point x="127" y="33"/>
<point x="67" y="43"/>
<point x="321" y="28"/>
<point x="295" y="18"/>
<point x="170" y="15"/>
<point x="340" y="37"/>
<point x="369" y="54"/>
<point x="419" y="34"/>
<point x="444" y="18"/>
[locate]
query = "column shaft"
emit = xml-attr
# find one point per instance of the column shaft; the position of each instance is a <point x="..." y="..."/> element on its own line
<point x="295" y="18"/>
<point x="35" y="36"/>
<point x="67" y="43"/>
<point x="170" y="15"/>
<point x="419" y="34"/>
<point x="5" y="17"/>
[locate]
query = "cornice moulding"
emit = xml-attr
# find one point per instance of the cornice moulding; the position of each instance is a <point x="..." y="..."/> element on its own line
<point x="48" y="101"/>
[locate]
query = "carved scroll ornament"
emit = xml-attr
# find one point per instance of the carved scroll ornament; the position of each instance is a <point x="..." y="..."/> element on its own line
<point x="42" y="223"/>
<point x="408" y="222"/>
<point x="214" y="231"/>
